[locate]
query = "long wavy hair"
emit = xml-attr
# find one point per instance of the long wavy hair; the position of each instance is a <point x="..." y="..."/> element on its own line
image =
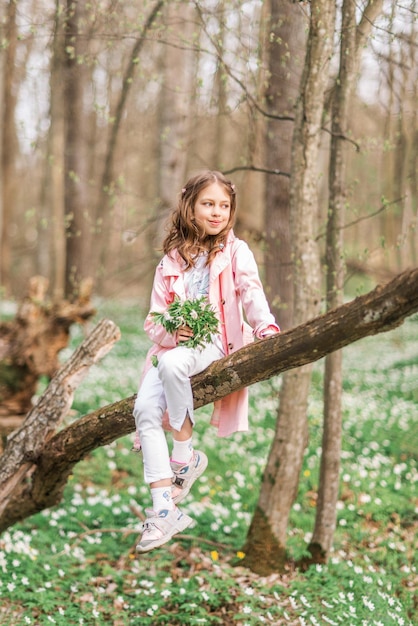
<point x="184" y="235"/>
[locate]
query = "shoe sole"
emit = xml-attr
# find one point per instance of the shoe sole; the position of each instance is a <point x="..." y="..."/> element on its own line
<point x="186" y="490"/>
<point x="184" y="522"/>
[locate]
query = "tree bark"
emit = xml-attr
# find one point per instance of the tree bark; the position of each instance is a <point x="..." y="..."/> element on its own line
<point x="179" y="63"/>
<point x="78" y="218"/>
<point x="29" y="347"/>
<point x="25" y="445"/>
<point x="352" y="42"/>
<point x="9" y="145"/>
<point x="220" y="96"/>
<point x="56" y="167"/>
<point x="51" y="251"/>
<point x="286" y="44"/>
<point x="326" y="512"/>
<point x="413" y="173"/>
<point x="267" y="533"/>
<point x="379" y="311"/>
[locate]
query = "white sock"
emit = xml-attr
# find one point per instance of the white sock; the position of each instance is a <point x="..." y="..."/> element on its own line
<point x="161" y="499"/>
<point x="182" y="451"/>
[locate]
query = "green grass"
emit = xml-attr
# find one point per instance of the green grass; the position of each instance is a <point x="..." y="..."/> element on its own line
<point x="76" y="563"/>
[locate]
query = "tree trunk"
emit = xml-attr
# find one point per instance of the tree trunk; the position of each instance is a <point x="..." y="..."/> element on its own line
<point x="286" y="44"/>
<point x="267" y="533"/>
<point x="379" y="311"/>
<point x="51" y="250"/>
<point x="405" y="149"/>
<point x="331" y="441"/>
<point x="326" y="512"/>
<point x="220" y="97"/>
<point x="413" y="173"/>
<point x="174" y="112"/>
<point x="9" y="144"/>
<point x="389" y="231"/>
<point x="76" y="165"/>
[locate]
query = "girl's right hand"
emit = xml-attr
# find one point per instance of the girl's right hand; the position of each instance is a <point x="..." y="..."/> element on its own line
<point x="184" y="333"/>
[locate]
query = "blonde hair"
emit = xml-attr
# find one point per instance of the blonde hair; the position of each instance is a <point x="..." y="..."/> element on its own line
<point x="184" y="235"/>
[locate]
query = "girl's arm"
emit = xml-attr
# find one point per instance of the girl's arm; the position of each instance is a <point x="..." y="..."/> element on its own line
<point x="250" y="289"/>
<point x="161" y="297"/>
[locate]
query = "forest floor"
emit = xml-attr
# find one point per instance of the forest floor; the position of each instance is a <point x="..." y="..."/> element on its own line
<point x="76" y="563"/>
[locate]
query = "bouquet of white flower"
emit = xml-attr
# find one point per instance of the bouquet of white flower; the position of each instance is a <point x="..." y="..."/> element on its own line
<point x="197" y="314"/>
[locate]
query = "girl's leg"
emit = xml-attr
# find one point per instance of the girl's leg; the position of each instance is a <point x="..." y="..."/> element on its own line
<point x="164" y="520"/>
<point x="183" y="443"/>
<point x="175" y="369"/>
<point x="149" y="408"/>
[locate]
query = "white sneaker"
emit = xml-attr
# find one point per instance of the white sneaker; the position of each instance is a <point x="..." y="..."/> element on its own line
<point x="185" y="475"/>
<point x="160" y="527"/>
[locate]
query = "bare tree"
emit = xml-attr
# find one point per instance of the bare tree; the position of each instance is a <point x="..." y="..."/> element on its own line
<point x="267" y="533"/>
<point x="8" y="143"/>
<point x="331" y="442"/>
<point x="52" y="250"/>
<point x="220" y="96"/>
<point x="352" y="40"/>
<point x="285" y="51"/>
<point x="77" y="214"/>
<point x="174" y="112"/>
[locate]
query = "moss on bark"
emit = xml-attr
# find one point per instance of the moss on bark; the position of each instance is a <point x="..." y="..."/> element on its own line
<point x="264" y="555"/>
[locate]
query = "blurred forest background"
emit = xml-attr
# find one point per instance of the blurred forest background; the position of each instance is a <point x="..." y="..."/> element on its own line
<point x="107" y="106"/>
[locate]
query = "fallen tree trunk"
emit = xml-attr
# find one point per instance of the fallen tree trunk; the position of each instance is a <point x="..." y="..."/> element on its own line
<point x="381" y="310"/>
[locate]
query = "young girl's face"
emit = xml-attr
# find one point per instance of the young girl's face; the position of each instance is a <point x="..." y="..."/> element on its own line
<point x="212" y="209"/>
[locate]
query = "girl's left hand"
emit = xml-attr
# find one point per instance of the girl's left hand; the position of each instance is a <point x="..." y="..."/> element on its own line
<point x="269" y="332"/>
<point x="184" y="333"/>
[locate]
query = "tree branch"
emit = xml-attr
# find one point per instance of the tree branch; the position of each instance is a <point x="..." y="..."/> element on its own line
<point x="27" y="443"/>
<point x="253" y="168"/>
<point x="382" y="208"/>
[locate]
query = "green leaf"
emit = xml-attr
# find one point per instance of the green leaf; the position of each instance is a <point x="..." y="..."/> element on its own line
<point x="198" y="314"/>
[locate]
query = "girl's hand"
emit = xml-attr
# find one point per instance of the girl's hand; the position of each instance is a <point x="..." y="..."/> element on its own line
<point x="269" y="332"/>
<point x="183" y="334"/>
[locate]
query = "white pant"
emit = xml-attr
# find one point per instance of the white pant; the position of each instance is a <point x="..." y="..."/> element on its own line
<point x="167" y="387"/>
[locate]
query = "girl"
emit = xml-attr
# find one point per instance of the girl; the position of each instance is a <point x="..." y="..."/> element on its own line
<point x="202" y="258"/>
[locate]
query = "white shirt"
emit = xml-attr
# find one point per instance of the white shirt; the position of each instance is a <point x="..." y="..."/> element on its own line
<point x="196" y="280"/>
<point x="196" y="285"/>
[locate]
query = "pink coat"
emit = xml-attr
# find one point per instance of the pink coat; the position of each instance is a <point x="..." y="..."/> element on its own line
<point x="234" y="285"/>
